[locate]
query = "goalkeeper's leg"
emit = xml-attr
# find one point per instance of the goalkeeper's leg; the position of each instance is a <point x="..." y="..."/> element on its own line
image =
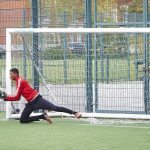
<point x="41" y="103"/>
<point x="46" y="105"/>
<point x="25" y="116"/>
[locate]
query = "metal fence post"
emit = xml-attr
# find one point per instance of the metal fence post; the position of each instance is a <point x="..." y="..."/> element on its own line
<point x="89" y="83"/>
<point x="146" y="57"/>
<point x="128" y="57"/>
<point x="95" y="93"/>
<point x="35" y="44"/>
<point x="101" y="43"/>
<point x="24" y="49"/>
<point x="136" y="58"/>
<point x="65" y="49"/>
<point x="107" y="68"/>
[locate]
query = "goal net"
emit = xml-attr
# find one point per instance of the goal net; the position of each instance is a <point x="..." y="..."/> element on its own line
<point x="85" y="69"/>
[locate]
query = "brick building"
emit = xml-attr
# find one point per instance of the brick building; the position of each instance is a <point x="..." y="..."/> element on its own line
<point x="13" y="13"/>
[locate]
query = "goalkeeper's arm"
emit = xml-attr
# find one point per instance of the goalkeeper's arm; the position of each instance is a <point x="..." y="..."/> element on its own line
<point x="16" y="97"/>
<point x="5" y="97"/>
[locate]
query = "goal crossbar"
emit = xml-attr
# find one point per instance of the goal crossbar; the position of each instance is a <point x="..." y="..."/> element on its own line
<point x="78" y="30"/>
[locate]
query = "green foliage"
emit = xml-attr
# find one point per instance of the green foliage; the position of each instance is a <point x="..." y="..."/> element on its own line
<point x="58" y="53"/>
<point x="136" y="6"/>
<point x="53" y="54"/>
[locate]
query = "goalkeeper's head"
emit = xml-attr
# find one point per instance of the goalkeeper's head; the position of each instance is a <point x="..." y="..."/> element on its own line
<point x="14" y="73"/>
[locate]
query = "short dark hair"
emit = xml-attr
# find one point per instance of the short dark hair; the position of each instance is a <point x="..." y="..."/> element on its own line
<point x="14" y="70"/>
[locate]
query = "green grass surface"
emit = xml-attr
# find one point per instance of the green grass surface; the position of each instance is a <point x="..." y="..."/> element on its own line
<point x="67" y="134"/>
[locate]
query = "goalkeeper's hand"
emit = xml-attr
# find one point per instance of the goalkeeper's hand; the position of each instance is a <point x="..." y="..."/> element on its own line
<point x="3" y="95"/>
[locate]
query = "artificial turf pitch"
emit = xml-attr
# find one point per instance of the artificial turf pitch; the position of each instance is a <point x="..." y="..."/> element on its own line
<point x="66" y="134"/>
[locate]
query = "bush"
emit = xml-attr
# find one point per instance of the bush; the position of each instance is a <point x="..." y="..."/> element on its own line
<point x="57" y="53"/>
<point x="53" y="53"/>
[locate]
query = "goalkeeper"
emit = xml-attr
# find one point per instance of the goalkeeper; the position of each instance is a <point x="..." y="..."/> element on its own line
<point x="34" y="100"/>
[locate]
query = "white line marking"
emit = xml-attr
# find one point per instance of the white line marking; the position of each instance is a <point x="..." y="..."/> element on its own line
<point x="102" y="125"/>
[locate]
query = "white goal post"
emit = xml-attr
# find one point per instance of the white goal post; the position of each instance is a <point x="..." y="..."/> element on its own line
<point x="9" y="31"/>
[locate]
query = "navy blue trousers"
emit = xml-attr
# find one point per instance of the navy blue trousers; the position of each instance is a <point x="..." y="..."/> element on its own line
<point x="40" y="103"/>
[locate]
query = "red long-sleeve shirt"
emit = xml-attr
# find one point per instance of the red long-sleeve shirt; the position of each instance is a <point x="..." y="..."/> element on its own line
<point x="23" y="89"/>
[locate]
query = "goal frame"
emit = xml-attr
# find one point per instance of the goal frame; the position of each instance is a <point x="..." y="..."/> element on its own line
<point x="67" y="30"/>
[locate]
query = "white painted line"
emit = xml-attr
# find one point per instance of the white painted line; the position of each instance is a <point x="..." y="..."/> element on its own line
<point x="101" y="125"/>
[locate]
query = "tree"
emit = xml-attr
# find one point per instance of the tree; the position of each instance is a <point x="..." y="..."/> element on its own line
<point x="136" y="6"/>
